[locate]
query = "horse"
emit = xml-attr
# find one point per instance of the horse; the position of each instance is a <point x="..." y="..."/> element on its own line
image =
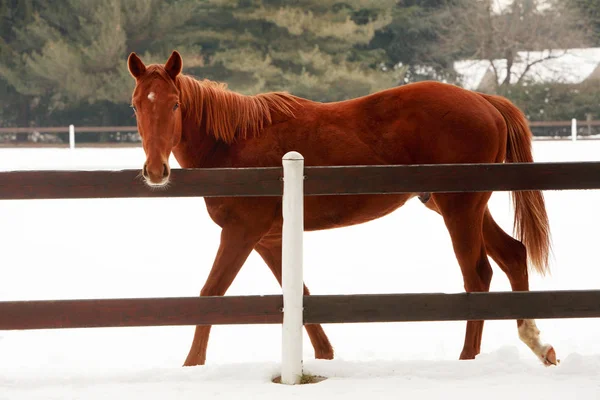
<point x="206" y="125"/>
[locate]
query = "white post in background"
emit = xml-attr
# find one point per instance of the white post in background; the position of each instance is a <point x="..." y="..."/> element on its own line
<point x="292" y="280"/>
<point x="72" y="136"/>
<point x="574" y="129"/>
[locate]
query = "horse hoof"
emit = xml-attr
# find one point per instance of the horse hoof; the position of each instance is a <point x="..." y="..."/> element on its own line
<point x="548" y="356"/>
<point x="194" y="361"/>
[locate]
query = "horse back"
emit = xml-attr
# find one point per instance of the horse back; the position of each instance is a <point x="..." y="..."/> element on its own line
<point x="425" y="123"/>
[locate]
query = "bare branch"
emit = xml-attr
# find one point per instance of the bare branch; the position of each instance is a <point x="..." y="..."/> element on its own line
<point x="477" y="32"/>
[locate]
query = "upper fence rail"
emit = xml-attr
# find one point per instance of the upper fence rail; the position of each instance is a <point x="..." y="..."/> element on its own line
<point x="319" y="180"/>
<point x="318" y="309"/>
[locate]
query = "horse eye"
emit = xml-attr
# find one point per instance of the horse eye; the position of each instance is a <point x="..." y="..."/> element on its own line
<point x="176" y="106"/>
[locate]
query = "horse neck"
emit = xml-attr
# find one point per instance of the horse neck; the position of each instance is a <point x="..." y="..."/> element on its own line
<point x="197" y="149"/>
<point x="201" y="147"/>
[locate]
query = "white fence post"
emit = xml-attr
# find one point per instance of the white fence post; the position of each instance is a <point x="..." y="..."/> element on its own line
<point x="292" y="280"/>
<point x="72" y="136"/>
<point x="574" y="129"/>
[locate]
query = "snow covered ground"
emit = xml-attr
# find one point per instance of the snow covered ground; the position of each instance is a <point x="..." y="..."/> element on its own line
<point x="67" y="249"/>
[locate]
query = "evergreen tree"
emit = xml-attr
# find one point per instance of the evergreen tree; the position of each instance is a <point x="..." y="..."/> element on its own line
<point x="410" y="39"/>
<point x="72" y="56"/>
<point x="14" y="14"/>
<point x="315" y="49"/>
<point x="76" y="52"/>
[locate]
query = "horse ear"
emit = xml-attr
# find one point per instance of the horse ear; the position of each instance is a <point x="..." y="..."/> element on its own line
<point x="136" y="66"/>
<point x="174" y="64"/>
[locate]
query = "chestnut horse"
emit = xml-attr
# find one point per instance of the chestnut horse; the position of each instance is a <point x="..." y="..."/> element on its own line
<point x="205" y="125"/>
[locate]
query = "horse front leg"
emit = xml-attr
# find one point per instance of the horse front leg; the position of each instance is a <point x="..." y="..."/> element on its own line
<point x="235" y="247"/>
<point x="269" y="249"/>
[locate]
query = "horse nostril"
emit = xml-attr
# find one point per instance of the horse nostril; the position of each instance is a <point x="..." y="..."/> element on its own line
<point x="145" y="171"/>
<point x="165" y="171"/>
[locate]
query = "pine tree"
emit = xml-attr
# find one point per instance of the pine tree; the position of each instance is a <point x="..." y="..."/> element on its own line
<point x="70" y="59"/>
<point x="81" y="58"/>
<point x="14" y="14"/>
<point x="410" y="39"/>
<point x="73" y="54"/>
<point x="314" y="49"/>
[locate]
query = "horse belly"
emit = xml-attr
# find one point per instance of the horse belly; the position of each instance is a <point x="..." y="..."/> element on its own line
<point x="327" y="212"/>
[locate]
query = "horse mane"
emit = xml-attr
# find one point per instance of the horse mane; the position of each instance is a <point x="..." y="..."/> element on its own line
<point x="228" y="115"/>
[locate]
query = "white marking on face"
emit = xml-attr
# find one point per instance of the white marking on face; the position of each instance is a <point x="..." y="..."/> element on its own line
<point x="151" y="96"/>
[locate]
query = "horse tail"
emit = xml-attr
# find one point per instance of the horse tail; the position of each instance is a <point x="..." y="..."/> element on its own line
<point x="531" y="224"/>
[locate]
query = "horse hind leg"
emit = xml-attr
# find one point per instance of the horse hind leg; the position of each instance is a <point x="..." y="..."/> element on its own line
<point x="270" y="251"/>
<point x="511" y="256"/>
<point x="463" y="216"/>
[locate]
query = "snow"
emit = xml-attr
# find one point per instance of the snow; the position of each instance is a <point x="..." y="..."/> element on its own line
<point x="569" y="66"/>
<point x="111" y="248"/>
<point x="471" y="72"/>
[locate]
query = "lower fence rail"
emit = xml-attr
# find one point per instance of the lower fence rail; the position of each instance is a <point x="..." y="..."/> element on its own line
<point x="97" y="313"/>
<point x="230" y="310"/>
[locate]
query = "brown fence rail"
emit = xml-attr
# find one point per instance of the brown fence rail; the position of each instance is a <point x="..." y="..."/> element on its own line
<point x="339" y="180"/>
<point x="60" y="314"/>
<point x="52" y="314"/>
<point x="342" y="180"/>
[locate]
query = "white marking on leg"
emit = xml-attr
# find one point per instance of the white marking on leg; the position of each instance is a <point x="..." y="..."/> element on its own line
<point x="151" y="96"/>
<point x="530" y="335"/>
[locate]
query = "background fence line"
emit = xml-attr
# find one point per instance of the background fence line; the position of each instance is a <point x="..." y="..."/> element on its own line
<point x="563" y="130"/>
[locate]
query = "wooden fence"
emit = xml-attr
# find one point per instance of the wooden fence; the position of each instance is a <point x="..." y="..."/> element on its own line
<point x="337" y="180"/>
<point x="567" y="130"/>
<point x="318" y="309"/>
